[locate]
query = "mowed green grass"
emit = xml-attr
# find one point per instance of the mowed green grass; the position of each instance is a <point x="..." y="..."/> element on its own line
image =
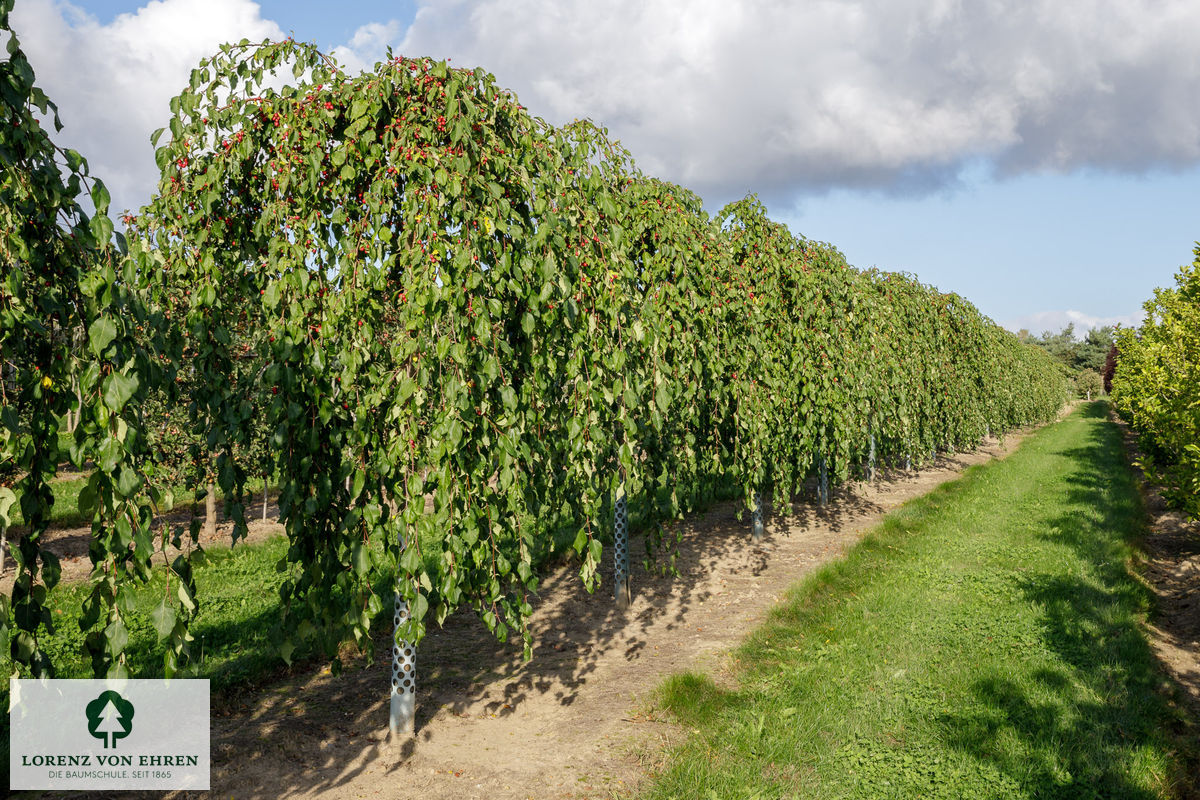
<point x="64" y="513"/>
<point x="240" y="605"/>
<point x="984" y="642"/>
<point x="239" y="596"/>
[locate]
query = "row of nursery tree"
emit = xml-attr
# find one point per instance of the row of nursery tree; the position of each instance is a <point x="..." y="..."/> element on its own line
<point x="456" y="329"/>
<point x="1156" y="387"/>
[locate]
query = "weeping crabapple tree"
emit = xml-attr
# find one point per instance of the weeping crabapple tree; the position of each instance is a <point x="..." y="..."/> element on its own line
<point x="64" y="281"/>
<point x="674" y="254"/>
<point x="639" y="422"/>
<point x="457" y="331"/>
<point x="398" y="249"/>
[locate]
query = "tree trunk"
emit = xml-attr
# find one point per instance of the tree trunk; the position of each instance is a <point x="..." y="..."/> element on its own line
<point x="210" y="511"/>
<point x="73" y="417"/>
<point x="264" y="498"/>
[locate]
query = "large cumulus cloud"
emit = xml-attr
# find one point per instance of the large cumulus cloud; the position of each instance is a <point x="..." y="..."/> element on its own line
<point x="781" y="98"/>
<point x="790" y="98"/>
<point x="113" y="82"/>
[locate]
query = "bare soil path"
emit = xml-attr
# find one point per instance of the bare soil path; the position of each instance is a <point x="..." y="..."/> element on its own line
<point x="71" y="544"/>
<point x="571" y="723"/>
<point x="1172" y="570"/>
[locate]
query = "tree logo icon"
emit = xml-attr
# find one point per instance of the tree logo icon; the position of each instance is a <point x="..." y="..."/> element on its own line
<point x="110" y="717"/>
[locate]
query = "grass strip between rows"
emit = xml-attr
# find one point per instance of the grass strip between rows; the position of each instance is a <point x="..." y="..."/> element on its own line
<point x="985" y="640"/>
<point x="239" y="606"/>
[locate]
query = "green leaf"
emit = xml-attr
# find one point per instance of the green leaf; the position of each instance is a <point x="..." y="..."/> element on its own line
<point x="109" y="454"/>
<point x="91" y="612"/>
<point x="100" y="199"/>
<point x="595" y="550"/>
<point x="128" y="482"/>
<point x="100" y="335"/>
<point x="116" y="636"/>
<point x="23" y="647"/>
<point x="163" y="617"/>
<point x="51" y="569"/>
<point x="74" y="160"/>
<point x="88" y="499"/>
<point x="118" y="389"/>
<point x="580" y="542"/>
<point x="360" y="559"/>
<point x="419" y="607"/>
<point x="185" y="597"/>
<point x="509" y="398"/>
<point x="454" y="433"/>
<point x="102" y="228"/>
<point x="662" y="398"/>
<point x="271" y="296"/>
<point x="7" y="498"/>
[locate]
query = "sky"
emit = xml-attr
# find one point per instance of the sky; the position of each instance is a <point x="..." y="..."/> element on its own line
<point x="1039" y="157"/>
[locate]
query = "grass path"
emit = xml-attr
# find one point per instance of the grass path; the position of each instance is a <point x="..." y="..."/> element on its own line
<point x="985" y="641"/>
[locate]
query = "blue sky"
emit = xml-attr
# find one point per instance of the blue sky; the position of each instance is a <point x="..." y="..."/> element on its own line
<point x="1094" y="243"/>
<point x="1042" y="160"/>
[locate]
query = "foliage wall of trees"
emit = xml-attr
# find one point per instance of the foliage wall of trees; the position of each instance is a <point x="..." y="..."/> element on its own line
<point x="450" y="325"/>
<point x="64" y="278"/>
<point x="1156" y="386"/>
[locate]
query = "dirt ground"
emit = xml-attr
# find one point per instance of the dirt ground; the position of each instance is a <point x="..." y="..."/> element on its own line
<point x="71" y="544"/>
<point x="1171" y="567"/>
<point x="574" y="721"/>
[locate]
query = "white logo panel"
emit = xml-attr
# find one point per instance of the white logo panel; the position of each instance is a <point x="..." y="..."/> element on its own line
<point x="109" y="734"/>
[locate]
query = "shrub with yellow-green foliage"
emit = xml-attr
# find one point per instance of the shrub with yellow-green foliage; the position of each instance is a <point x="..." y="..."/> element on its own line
<point x="1156" y="386"/>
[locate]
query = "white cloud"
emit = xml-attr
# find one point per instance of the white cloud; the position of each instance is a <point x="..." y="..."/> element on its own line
<point x="113" y="83"/>
<point x="786" y="97"/>
<point x="1054" y="321"/>
<point x="367" y="45"/>
<point x="724" y="97"/>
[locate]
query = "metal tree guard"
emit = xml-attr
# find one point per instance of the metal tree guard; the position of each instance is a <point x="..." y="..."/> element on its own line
<point x="823" y="486"/>
<point x="621" y="590"/>
<point x="756" y="516"/>
<point x="871" y="456"/>
<point x="404" y="673"/>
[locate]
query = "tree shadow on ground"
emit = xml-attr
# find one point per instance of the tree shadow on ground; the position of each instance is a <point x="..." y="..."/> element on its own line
<point x="1079" y="728"/>
<point x="319" y="733"/>
<point x="807" y="512"/>
<point x="305" y="733"/>
<point x="1172" y="569"/>
<point x="314" y="729"/>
